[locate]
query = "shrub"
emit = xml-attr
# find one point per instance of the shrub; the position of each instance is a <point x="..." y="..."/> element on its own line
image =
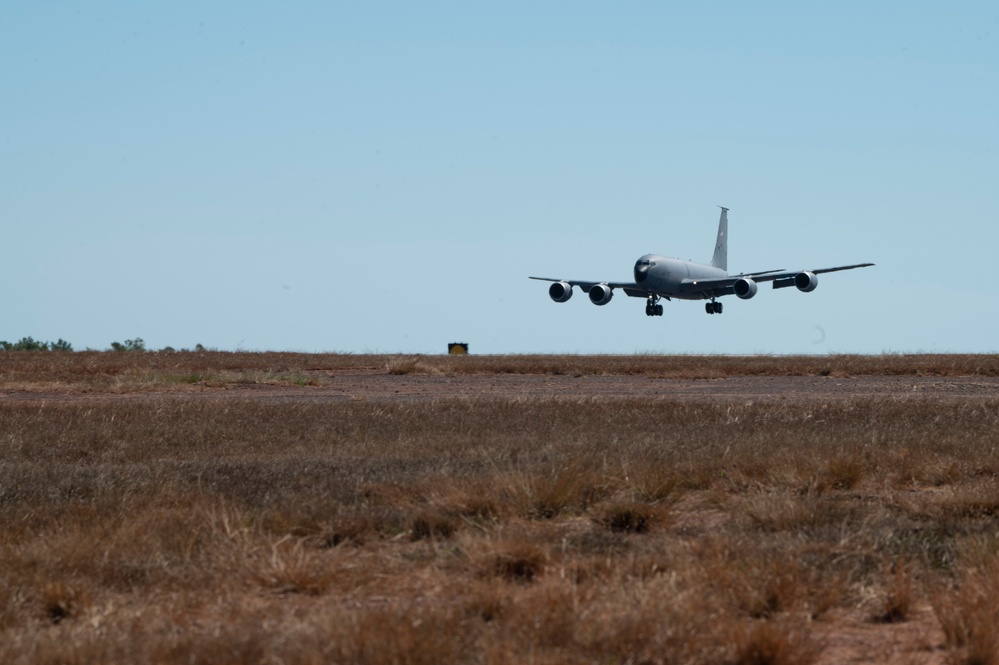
<point x="29" y="344"/>
<point x="129" y="345"/>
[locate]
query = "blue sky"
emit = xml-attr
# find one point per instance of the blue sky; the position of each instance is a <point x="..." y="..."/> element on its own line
<point x="383" y="177"/>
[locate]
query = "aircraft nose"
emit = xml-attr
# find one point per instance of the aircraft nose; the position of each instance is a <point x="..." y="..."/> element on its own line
<point x="641" y="272"/>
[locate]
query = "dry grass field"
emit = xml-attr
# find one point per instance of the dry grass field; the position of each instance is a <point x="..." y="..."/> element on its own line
<point x="306" y="508"/>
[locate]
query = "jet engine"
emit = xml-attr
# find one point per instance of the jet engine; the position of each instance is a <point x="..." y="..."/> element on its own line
<point x="745" y="288"/>
<point x="560" y="291"/>
<point x="600" y="294"/>
<point x="806" y="281"/>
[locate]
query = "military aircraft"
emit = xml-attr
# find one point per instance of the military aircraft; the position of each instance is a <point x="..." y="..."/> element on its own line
<point x="658" y="277"/>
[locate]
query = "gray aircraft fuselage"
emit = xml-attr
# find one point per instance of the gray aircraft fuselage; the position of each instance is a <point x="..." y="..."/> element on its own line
<point x="662" y="275"/>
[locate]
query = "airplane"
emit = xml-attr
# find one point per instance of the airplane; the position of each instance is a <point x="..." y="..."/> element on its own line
<point x="658" y="277"/>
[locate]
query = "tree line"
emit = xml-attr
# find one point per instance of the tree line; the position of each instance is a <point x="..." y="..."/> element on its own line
<point x="31" y="344"/>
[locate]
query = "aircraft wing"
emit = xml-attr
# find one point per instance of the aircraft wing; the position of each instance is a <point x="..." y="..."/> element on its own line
<point x="585" y="285"/>
<point x="819" y="271"/>
<point x="631" y="288"/>
<point x="725" y="285"/>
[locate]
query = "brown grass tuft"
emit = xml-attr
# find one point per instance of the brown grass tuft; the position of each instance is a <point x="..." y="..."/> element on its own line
<point x="568" y="487"/>
<point x="402" y="633"/>
<point x="842" y="472"/>
<point x="655" y="483"/>
<point x="417" y="365"/>
<point x="899" y="595"/>
<point x="432" y="524"/>
<point x="290" y="567"/>
<point x="630" y="517"/>
<point x="521" y="562"/>
<point x="774" y="643"/>
<point x="969" y="616"/>
<point x="59" y="601"/>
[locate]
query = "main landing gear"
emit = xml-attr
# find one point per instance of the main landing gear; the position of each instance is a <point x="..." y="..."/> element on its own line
<point x="651" y="308"/>
<point x="713" y="307"/>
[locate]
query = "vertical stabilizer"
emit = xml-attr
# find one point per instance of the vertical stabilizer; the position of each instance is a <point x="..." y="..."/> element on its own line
<point x="720" y="259"/>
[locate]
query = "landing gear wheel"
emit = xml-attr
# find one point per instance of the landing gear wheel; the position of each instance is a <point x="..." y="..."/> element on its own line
<point x="713" y="307"/>
<point x="651" y="308"/>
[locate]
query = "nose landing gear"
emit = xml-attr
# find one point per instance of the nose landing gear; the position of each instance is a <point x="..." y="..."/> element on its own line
<point x="651" y="306"/>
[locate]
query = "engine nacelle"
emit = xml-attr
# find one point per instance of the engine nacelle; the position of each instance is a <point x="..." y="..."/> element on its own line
<point x="745" y="288"/>
<point x="600" y="294"/>
<point x="806" y="281"/>
<point x="560" y="291"/>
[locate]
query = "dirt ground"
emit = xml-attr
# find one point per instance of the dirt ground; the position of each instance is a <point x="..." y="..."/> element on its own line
<point x="738" y="389"/>
<point x="377" y="385"/>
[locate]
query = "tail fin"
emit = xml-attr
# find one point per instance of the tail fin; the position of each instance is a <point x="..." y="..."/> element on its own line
<point x="720" y="259"/>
